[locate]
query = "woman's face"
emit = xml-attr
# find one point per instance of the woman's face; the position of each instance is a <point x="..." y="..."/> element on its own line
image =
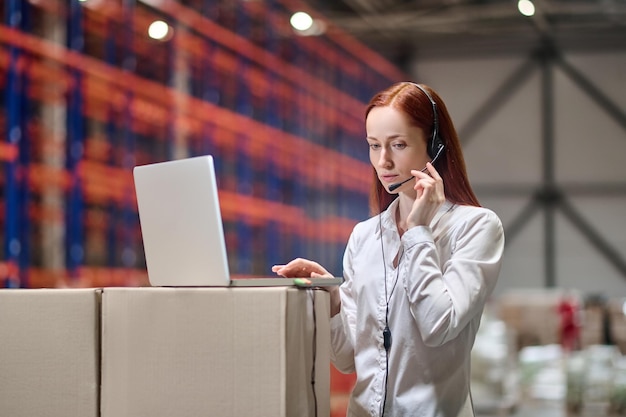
<point x="396" y="147"/>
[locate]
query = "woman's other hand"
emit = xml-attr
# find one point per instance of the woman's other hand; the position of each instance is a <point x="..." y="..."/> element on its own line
<point x="304" y="268"/>
<point x="300" y="268"/>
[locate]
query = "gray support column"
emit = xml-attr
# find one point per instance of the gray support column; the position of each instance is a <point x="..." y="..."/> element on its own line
<point x="53" y="116"/>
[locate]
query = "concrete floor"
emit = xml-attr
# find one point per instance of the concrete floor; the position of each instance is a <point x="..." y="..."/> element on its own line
<point x="544" y="409"/>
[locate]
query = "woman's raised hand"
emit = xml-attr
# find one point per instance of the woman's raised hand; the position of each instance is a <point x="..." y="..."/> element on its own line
<point x="430" y="196"/>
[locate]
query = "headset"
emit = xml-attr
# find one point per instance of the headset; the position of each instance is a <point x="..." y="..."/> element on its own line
<point x="435" y="145"/>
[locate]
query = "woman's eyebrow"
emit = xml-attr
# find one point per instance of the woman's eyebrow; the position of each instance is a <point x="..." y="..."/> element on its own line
<point x="394" y="136"/>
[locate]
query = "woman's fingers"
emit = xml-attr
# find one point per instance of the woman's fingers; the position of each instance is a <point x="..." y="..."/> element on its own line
<point x="300" y="267"/>
<point x="433" y="172"/>
<point x="430" y="196"/>
<point x="277" y="269"/>
<point x="429" y="182"/>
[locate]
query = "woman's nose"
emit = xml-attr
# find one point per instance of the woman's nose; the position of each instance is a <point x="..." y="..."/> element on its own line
<point x="384" y="160"/>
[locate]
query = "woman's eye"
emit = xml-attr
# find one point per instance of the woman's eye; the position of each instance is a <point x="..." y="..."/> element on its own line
<point x="374" y="146"/>
<point x="399" y="145"/>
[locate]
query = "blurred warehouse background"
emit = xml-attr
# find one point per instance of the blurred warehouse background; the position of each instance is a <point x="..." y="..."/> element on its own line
<point x="538" y="94"/>
<point x="93" y="88"/>
<point x="537" y="91"/>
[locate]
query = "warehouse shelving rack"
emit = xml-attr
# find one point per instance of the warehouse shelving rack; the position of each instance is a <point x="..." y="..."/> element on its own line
<point x="282" y="114"/>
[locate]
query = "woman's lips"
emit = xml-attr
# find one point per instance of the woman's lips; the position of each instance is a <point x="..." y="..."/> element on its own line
<point x="389" y="178"/>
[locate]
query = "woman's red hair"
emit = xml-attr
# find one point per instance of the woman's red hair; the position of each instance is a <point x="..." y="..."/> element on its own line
<point x="412" y="101"/>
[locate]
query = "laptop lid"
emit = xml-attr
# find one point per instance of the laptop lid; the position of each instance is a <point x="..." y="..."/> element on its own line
<point x="182" y="229"/>
<point x="181" y="223"/>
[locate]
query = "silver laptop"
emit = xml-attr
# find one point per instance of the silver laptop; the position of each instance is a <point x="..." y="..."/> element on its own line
<point x="181" y="226"/>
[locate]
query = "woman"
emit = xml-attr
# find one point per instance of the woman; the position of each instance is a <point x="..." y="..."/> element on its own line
<point x="418" y="274"/>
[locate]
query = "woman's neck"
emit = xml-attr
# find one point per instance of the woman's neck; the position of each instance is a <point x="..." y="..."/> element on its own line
<point x="405" y="205"/>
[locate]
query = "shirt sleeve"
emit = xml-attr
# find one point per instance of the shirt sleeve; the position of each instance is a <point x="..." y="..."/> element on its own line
<point x="343" y="325"/>
<point x="444" y="299"/>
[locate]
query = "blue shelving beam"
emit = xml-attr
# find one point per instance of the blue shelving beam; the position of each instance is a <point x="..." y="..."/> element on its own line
<point x="274" y="243"/>
<point x="75" y="143"/>
<point x="129" y="215"/>
<point x="24" y="158"/>
<point x="112" y="133"/>
<point x="15" y="215"/>
<point x="245" y="174"/>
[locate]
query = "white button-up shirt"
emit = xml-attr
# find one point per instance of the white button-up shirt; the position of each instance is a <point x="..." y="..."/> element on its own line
<point x="435" y="298"/>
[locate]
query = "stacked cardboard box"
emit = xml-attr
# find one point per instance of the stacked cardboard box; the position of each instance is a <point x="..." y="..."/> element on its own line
<point x="156" y="352"/>
<point x="592" y="330"/>
<point x="533" y="314"/>
<point x="220" y="352"/>
<point x="49" y="353"/>
<point x="617" y="322"/>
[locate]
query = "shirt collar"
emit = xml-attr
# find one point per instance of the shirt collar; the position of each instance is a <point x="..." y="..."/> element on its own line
<point x="387" y="217"/>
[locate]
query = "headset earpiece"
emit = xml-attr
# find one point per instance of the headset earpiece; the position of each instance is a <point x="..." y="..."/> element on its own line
<point x="435" y="144"/>
<point x="435" y="147"/>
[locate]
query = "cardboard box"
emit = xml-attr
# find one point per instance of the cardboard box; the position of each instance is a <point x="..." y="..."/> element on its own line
<point x="616" y="310"/>
<point x="592" y="326"/>
<point x="188" y="352"/>
<point x="533" y="314"/>
<point x="49" y="353"/>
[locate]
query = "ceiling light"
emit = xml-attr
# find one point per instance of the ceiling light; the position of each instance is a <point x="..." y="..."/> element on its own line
<point x="526" y="7"/>
<point x="159" y="30"/>
<point x="305" y="25"/>
<point x="301" y="21"/>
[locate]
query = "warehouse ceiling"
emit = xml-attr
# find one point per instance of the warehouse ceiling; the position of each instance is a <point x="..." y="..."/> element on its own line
<point x="405" y="29"/>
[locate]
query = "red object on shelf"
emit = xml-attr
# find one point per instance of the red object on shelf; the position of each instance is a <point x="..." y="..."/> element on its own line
<point x="570" y="323"/>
